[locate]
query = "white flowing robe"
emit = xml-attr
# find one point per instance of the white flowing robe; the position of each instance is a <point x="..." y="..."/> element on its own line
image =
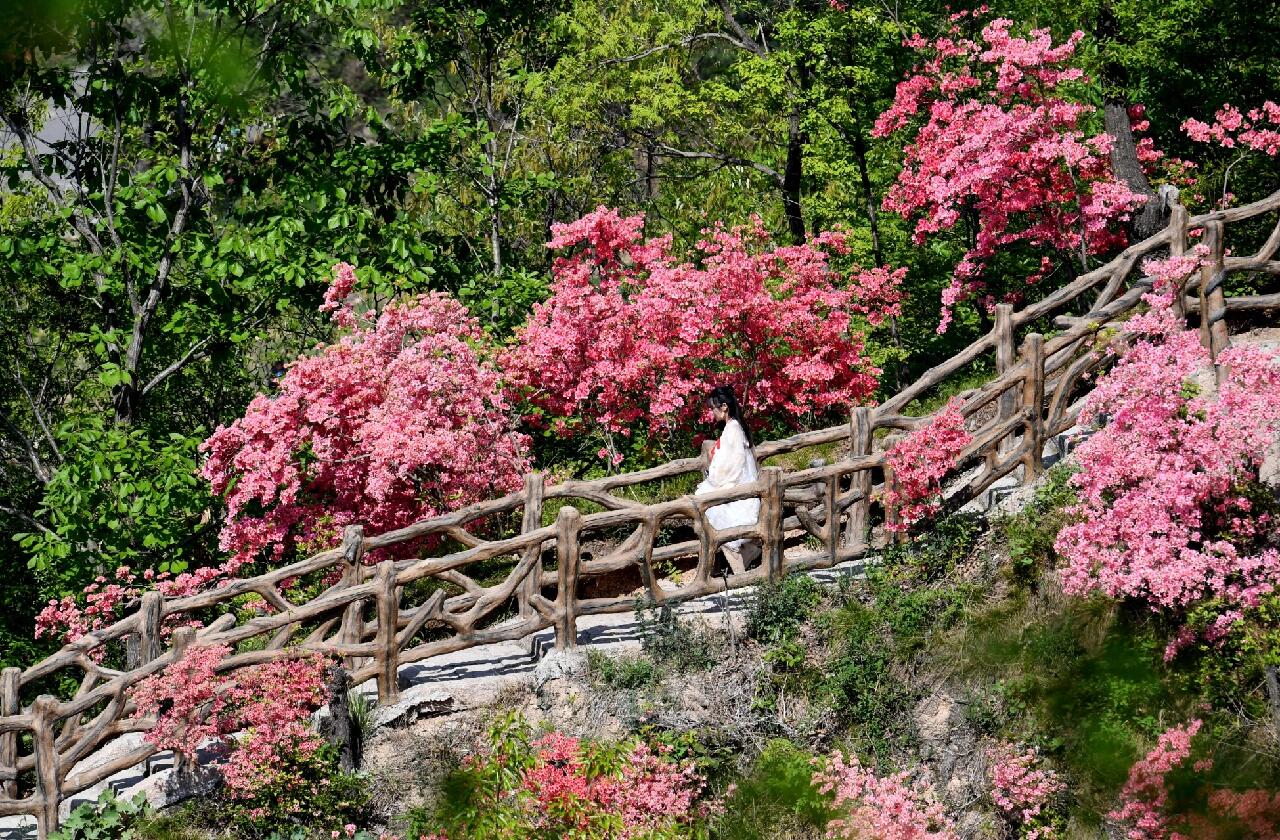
<point x="732" y="463"/>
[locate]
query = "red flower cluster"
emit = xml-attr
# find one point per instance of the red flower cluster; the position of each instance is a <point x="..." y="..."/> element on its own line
<point x="919" y="463"/>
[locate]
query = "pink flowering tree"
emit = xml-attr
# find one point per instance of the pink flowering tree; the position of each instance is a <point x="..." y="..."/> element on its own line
<point x="1166" y="516"/>
<point x="402" y="418"/>
<point x="880" y="807"/>
<point x="1150" y="810"/>
<point x="999" y="144"/>
<point x="920" y="461"/>
<point x="1024" y="791"/>
<point x="635" y="334"/>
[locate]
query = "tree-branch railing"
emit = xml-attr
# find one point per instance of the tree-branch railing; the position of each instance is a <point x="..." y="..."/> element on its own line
<point x="472" y="587"/>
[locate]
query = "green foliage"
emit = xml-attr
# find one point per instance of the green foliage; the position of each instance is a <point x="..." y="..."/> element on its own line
<point x="1030" y="533"/>
<point x="909" y="601"/>
<point x="775" y="796"/>
<point x="778" y="609"/>
<point x="120" y="497"/>
<point x="622" y="672"/>
<point x="676" y="645"/>
<point x="108" y="818"/>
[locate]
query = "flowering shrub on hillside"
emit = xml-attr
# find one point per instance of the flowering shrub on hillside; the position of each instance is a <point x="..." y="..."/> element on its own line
<point x="880" y="807"/>
<point x="401" y="419"/>
<point x="555" y="787"/>
<point x="1165" y="515"/>
<point x="1148" y="811"/>
<point x="634" y="332"/>
<point x="281" y="768"/>
<point x="1023" y="792"/>
<point x="998" y="137"/>
<point x="921" y="460"/>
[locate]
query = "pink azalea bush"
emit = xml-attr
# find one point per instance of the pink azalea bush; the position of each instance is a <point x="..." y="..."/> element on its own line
<point x="1164" y="515"/>
<point x="998" y="135"/>
<point x="401" y="419"/>
<point x="880" y="807"/>
<point x="277" y="766"/>
<point x="557" y="786"/>
<point x="919" y="463"/>
<point x="634" y="333"/>
<point x="1147" y="810"/>
<point x="1023" y="791"/>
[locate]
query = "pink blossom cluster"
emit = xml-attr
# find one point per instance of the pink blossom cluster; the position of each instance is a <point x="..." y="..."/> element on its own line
<point x="1146" y="792"/>
<point x="1161" y="516"/>
<point x="1145" y="807"/>
<point x="272" y="703"/>
<point x="1022" y="790"/>
<point x="1258" y="129"/>
<point x="998" y="139"/>
<point x="562" y="789"/>
<point x="633" y="332"/>
<point x="102" y="601"/>
<point x="880" y="807"/>
<point x="920" y="461"/>
<point x="399" y="420"/>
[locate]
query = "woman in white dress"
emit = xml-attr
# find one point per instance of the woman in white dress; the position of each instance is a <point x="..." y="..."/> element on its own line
<point x="731" y="463"/>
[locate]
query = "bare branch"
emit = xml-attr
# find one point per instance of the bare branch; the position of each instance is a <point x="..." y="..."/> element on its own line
<point x="27" y="518"/>
<point x="731" y="160"/>
<point x="681" y="44"/>
<point x="24" y="443"/>
<point x="178" y="365"/>
<point x="747" y="42"/>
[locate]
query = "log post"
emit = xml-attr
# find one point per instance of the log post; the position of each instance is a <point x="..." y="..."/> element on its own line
<point x="1213" y="302"/>
<point x="893" y="534"/>
<point x="831" y="533"/>
<point x="10" y="704"/>
<point x="1005" y="350"/>
<point x="387" y="649"/>
<point x="771" y="522"/>
<point x="48" y="795"/>
<point x="342" y="732"/>
<point x="860" y="441"/>
<point x="353" y="616"/>
<point x="1178" y="248"/>
<point x="150" y="617"/>
<point x="568" y="555"/>
<point x="1033" y="403"/>
<point x="534" y="490"/>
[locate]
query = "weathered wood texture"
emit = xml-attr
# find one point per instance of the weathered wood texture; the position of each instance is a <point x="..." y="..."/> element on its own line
<point x="419" y="598"/>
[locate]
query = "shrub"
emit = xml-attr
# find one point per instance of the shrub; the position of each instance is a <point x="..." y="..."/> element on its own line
<point x="675" y="645"/>
<point x="1029" y="535"/>
<point x="920" y="461"/>
<point x="880" y="807"/>
<point x="633" y="330"/>
<point x="778" y="609"/>
<point x="621" y="672"/>
<point x="1023" y="791"/>
<point x="555" y="787"/>
<point x="369" y="430"/>
<point x="1164" y="516"/>
<point x="778" y="792"/>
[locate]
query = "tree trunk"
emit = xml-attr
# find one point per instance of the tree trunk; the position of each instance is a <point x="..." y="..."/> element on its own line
<point x="791" y="178"/>
<point x="1151" y="217"/>
<point x="868" y="195"/>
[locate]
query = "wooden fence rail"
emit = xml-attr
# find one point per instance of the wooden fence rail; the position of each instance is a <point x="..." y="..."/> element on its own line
<point x="475" y="576"/>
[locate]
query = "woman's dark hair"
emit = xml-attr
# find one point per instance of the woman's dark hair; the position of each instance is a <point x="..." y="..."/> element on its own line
<point x="722" y="395"/>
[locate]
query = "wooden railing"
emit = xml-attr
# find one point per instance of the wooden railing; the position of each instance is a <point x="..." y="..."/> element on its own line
<point x="406" y="609"/>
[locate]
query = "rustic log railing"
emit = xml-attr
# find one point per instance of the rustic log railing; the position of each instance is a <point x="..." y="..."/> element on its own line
<point x="407" y="609"/>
